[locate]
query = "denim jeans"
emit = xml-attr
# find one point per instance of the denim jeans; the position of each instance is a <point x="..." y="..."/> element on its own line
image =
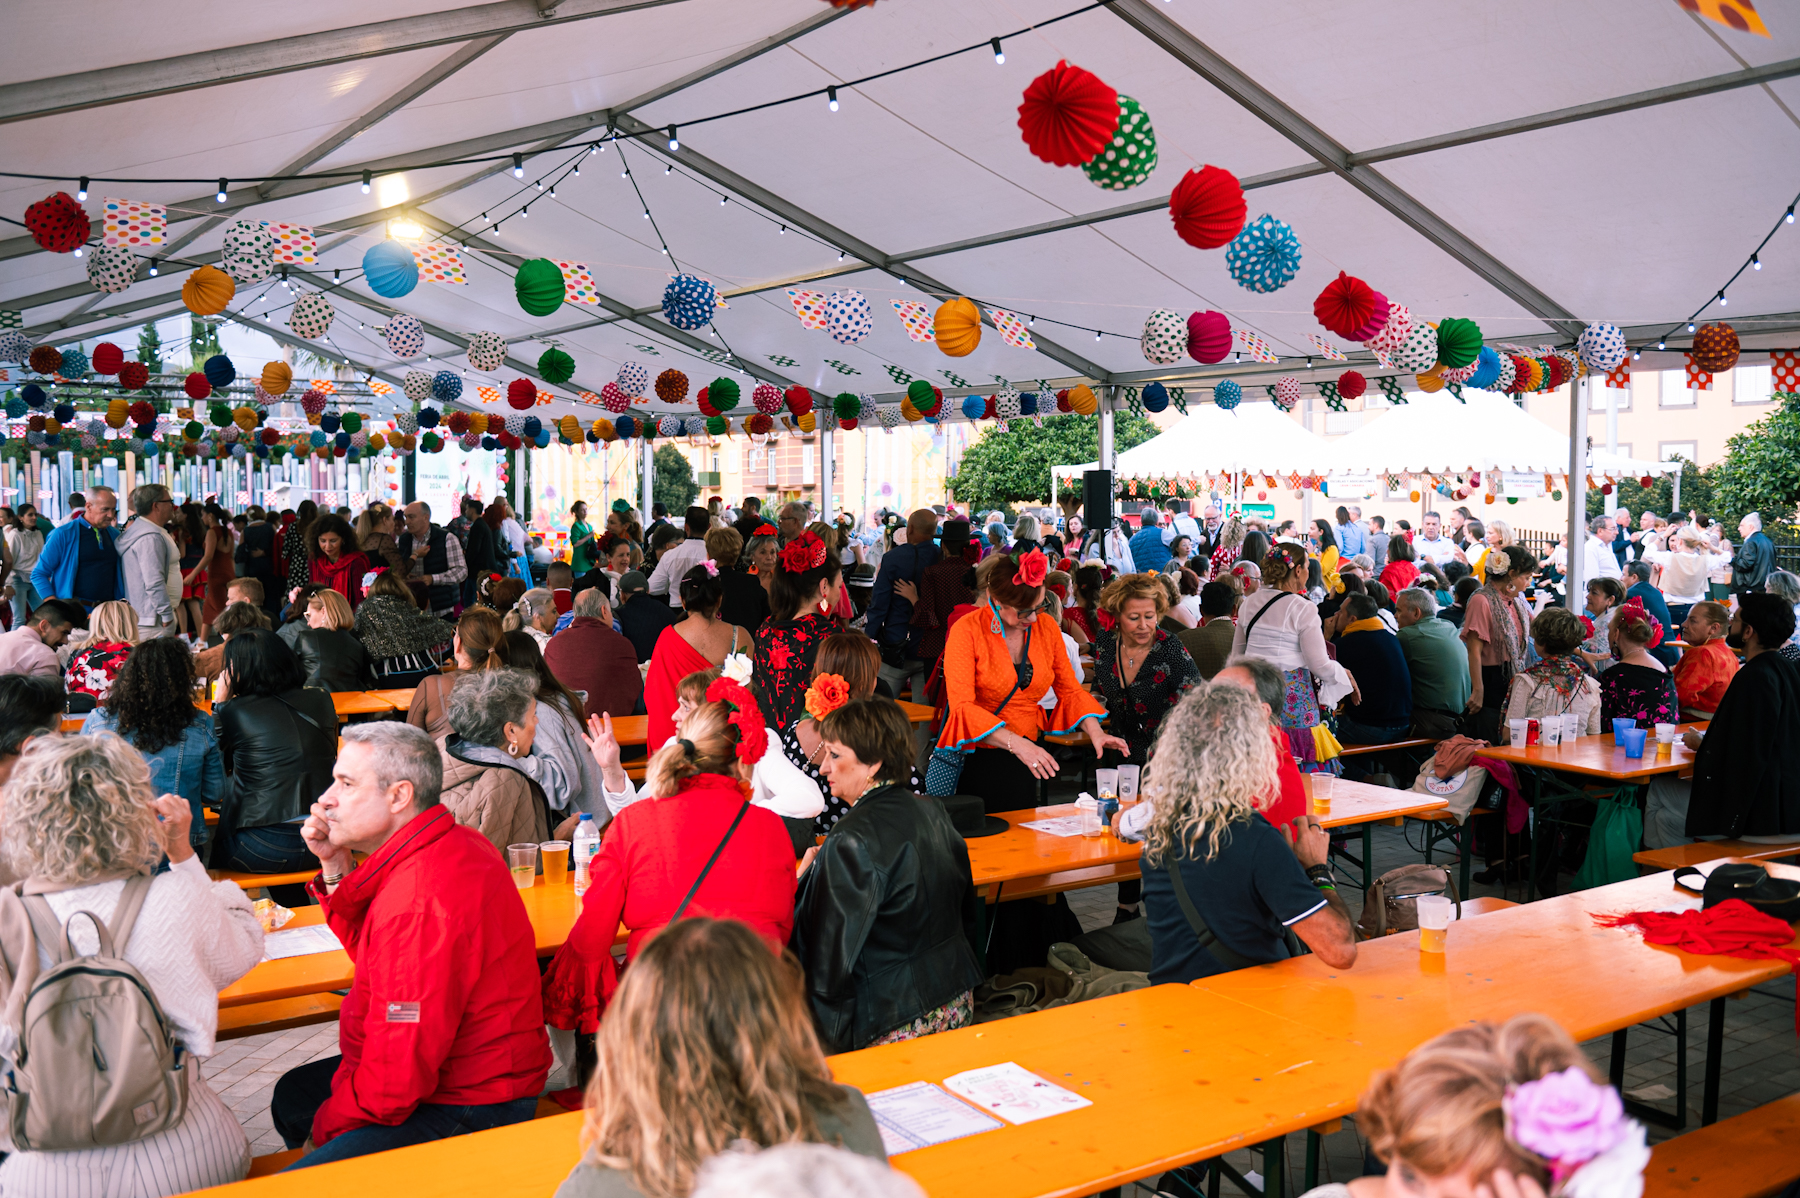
<point x="1352" y="733"/>
<point x="274" y="849"/>
<point x="302" y="1091"/>
<point x="25" y="597"/>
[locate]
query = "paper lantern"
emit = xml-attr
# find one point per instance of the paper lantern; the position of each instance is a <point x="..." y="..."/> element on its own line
<point x="1430" y="382"/>
<point x="64" y="413"/>
<point x="604" y="431"/>
<point x="807" y="421"/>
<point x="107" y="358"/>
<point x="1208" y="208"/>
<point x="245" y="418"/>
<point x="924" y="396"/>
<point x="847" y="317"/>
<point x="1393" y="332"/>
<point x="1287" y="392"/>
<point x="1458" y="341"/>
<point x="405" y="337"/>
<point x="74" y="363"/>
<point x="688" y="302"/>
<point x="1602" y="345"/>
<point x="58" y="223"/>
<point x="614" y="397"/>
<point x="111" y="268"/>
<point x="799" y="400"/>
<point x="539" y="286"/>
<point x="196" y="386"/>
<point x="1504" y="375"/>
<point x="1082" y="400"/>
<point x="248" y="253"/>
<point x="276" y="378"/>
<point x="1156" y="397"/>
<point x="416" y="385"/>
<point x="330" y="421"/>
<point x="889" y="417"/>
<point x="669" y="426"/>
<point x="974" y="407"/>
<point x="406" y="422"/>
<point x="133" y="376"/>
<point x="429" y="417"/>
<point x="446" y="386"/>
<point x="431" y="443"/>
<point x="1165" y="337"/>
<point x="1068" y="115"/>
<point x="1209" y="337"/>
<point x="556" y="366"/>
<point x="759" y="424"/>
<point x="671" y="386"/>
<point x="1265" y="256"/>
<point x="390" y="269"/>
<point x="570" y="428"/>
<point x="717" y="426"/>
<point x="1716" y="348"/>
<point x="1062" y="401"/>
<point x="219" y="371"/>
<point x="626" y="427"/>
<point x="311" y="315"/>
<point x="1378" y="313"/>
<point x="1419" y="351"/>
<point x="207" y="291"/>
<point x="957" y="327"/>
<point x="15" y="346"/>
<point x="1006" y="404"/>
<point x="1227" y="394"/>
<point x="1556" y="371"/>
<point x="766" y="397"/>
<point x="352" y="421"/>
<point x="487" y="351"/>
<point x="724" y="393"/>
<point x="703" y="401"/>
<point x="1345" y="306"/>
<point x="521" y="394"/>
<point x="633" y="379"/>
<point x="1351" y="384"/>
<point x="1130" y="152"/>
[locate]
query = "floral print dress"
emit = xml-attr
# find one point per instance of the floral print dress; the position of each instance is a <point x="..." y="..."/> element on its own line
<point x="784" y="664"/>
<point x="1639" y="693"/>
<point x="1136" y="711"/>
<point x="94" y="668"/>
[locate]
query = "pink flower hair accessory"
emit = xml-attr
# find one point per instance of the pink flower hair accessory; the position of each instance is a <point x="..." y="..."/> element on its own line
<point x="712" y="567"/>
<point x="1567" y="1118"/>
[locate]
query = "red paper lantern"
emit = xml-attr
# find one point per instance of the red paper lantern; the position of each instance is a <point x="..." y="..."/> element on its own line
<point x="1068" y="115"/>
<point x="457" y="422"/>
<point x="1209" y="336"/>
<point x="1062" y="401"/>
<point x="107" y="358"/>
<point x="59" y="224"/>
<point x="1556" y="373"/>
<point x="759" y="423"/>
<point x="847" y="423"/>
<point x="987" y="413"/>
<point x="704" y="403"/>
<point x="1208" y="207"/>
<point x="45" y="359"/>
<point x="1351" y="384"/>
<point x="521" y="393"/>
<point x="141" y="412"/>
<point x="270" y="437"/>
<point x="1521" y="373"/>
<point x="1378" y="318"/>
<point x="1645" y="481"/>
<point x="196" y="386"/>
<point x="133" y="376"/>
<point x="1345" y="306"/>
<point x="799" y="400"/>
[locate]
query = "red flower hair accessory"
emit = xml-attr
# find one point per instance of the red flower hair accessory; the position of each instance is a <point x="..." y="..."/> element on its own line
<point x="1033" y="567"/>
<point x="765" y="530"/>
<point x="1633" y="610"/>
<point x="805" y="552"/>
<point x="827" y="693"/>
<point x="752" y="736"/>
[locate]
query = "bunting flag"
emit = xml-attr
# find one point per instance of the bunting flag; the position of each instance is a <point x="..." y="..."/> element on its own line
<point x="917" y="319"/>
<point x="1784" y="370"/>
<point x="809" y="306"/>
<point x="1619" y="377"/>
<point x="294" y="244"/>
<point x="1390" y="387"/>
<point x="439" y="264"/>
<point x="377" y="387"/>
<point x="488" y="394"/>
<point x="1012" y="329"/>
<point x="133" y="224"/>
<point x="10" y="319"/>
<point x="1381" y="355"/>
<point x="544" y="397"/>
<point x="324" y="386"/>
<point x="1740" y="15"/>
<point x="1294" y="480"/>
<point x="587" y="397"/>
<point x="1332" y="353"/>
<point x="1697" y="379"/>
<point x="1255" y="346"/>
<point x="578" y="284"/>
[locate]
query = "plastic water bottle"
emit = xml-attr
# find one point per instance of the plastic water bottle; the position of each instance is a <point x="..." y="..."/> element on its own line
<point x="586" y="843"/>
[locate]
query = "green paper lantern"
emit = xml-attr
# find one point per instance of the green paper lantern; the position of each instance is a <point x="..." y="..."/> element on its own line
<point x="220" y="414"/>
<point x="539" y="286"/>
<point x="193" y="430"/>
<point x="1512" y="499"/>
<point x="718" y="426"/>
<point x="555" y="365"/>
<point x="1459" y="342"/>
<point x="1556" y="495"/>
<point x="352" y="421"/>
<point x="1129" y="155"/>
<point x="723" y="394"/>
<point x="847" y="406"/>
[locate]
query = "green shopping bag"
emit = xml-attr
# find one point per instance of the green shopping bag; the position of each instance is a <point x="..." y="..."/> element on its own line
<point x="1618" y="830"/>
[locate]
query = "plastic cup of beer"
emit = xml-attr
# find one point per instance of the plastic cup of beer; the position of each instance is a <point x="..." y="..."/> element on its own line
<point x="522" y="860"/>
<point x="1320" y="788"/>
<point x="1665" y="739"/>
<point x="1434" y="922"/>
<point x="556" y="861"/>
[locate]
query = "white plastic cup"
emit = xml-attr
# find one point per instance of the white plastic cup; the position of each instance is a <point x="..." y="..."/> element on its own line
<point x="1107" y="782"/>
<point x="1665" y="734"/>
<point x="1129" y="776"/>
<point x="1517" y="730"/>
<point x="1434" y="910"/>
<point x="1571" y="725"/>
<point x="1550" y="733"/>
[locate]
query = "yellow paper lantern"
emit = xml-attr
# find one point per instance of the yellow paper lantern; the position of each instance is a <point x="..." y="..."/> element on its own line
<point x="1430" y="382"/>
<point x="277" y="377"/>
<point x="377" y="442"/>
<point x="1537" y="374"/>
<point x="478" y="422"/>
<point x="603" y="429"/>
<point x="911" y="413"/>
<point x="244" y="418"/>
<point x="1413" y="495"/>
<point x="957" y="327"/>
<point x="207" y="291"/>
<point x="117" y="412"/>
<point x="570" y="428"/>
<point x="807" y="422"/>
<point x="1082" y="400"/>
<point x="52" y="425"/>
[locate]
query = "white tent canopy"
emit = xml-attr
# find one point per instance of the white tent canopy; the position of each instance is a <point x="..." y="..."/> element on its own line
<point x="1257" y="437"/>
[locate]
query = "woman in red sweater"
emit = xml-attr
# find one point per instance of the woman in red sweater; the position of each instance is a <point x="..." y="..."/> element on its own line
<point x="697" y="800"/>
<point x="336" y="561"/>
<point x="1402" y="570"/>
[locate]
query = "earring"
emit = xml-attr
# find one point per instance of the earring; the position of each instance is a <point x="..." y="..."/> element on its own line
<point x="825" y="607"/>
<point x="512" y="750"/>
<point x="994" y="621"/>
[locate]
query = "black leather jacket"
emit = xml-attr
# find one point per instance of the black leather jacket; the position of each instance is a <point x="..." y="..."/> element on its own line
<point x="279" y="751"/>
<point x="885" y="919"/>
<point x="335" y="660"/>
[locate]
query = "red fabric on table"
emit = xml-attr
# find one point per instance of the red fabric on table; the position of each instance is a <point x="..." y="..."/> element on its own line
<point x="1732" y="929"/>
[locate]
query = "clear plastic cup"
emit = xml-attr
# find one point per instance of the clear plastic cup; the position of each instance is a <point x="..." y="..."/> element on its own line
<point x="1665" y="734"/>
<point x="1550" y="734"/>
<point x="1572" y="726"/>
<point x="1434" y="922"/>
<point x="1516" y="730"/>
<point x="556" y="861"/>
<point x="1106" y="782"/>
<point x="1129" y="777"/>
<point x="1320" y="787"/>
<point x="522" y="860"/>
<point x="1089" y="810"/>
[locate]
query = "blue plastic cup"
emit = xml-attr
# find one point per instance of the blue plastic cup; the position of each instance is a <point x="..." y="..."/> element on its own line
<point x="1633" y="740"/>
<point x="1620" y="725"/>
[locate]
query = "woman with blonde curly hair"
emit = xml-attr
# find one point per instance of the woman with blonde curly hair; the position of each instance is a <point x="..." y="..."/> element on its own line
<point x="84" y="827"/>
<point x="708" y="1044"/>
<point x="1208" y="847"/>
<point x="1280" y="625"/>
<point x="1512" y="1110"/>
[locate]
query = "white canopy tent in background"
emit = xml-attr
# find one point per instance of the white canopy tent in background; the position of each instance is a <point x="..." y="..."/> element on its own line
<point x="1210" y="441"/>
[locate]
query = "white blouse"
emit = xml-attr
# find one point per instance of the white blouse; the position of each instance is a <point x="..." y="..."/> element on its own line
<point x="1289" y="637"/>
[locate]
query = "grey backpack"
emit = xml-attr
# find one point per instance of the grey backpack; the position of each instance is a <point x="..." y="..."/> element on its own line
<point x="95" y="1062"/>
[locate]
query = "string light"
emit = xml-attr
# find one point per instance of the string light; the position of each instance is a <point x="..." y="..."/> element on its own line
<point x="831" y="98"/>
<point x="518" y="166"/>
<point x="999" y="54"/>
<point x="540" y="185"/>
<point x="155" y="264"/>
<point x="1662" y="343"/>
<point x="674" y="141"/>
<point x="1790" y="214"/>
<point x="1721" y="299"/>
<point x="78" y="251"/>
<point x="223" y="184"/>
<point x="81" y="190"/>
<point x="1755" y="262"/>
<point x="367" y="176"/>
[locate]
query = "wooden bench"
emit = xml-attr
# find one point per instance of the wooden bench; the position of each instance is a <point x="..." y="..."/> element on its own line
<point x="1417" y="742"/>
<point x="1702" y="851"/>
<point x="1748" y="1156"/>
<point x="275" y="1162"/>
<point x="277" y="1015"/>
<point x="299" y="877"/>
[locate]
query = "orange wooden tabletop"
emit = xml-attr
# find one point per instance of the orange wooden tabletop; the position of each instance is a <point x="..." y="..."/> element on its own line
<point x="349" y="703"/>
<point x="1599" y="757"/>
<point x="1355" y="803"/>
<point x="1027" y="853"/>
<point x="399" y="700"/>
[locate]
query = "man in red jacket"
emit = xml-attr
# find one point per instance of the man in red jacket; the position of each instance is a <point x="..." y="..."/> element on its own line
<point x="443" y="1030"/>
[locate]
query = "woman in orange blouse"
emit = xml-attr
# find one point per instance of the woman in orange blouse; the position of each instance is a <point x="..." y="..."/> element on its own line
<point x="999" y="661"/>
<point x="1707" y="664"/>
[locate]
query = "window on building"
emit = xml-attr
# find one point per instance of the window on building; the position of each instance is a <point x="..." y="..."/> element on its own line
<point x="769" y="456"/>
<point x="1751" y="384"/>
<point x="1668" y="451"/>
<point x="1675" y="391"/>
<point x="1599" y="393"/>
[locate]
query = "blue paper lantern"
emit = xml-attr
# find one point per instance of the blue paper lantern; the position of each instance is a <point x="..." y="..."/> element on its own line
<point x="219" y="371"/>
<point x="330" y="422"/>
<point x="33" y="395"/>
<point x="317" y="438"/>
<point x="446" y="385"/>
<point x="64" y="412"/>
<point x="543" y="438"/>
<point x="15" y="407"/>
<point x="626" y="427"/>
<point x="688" y="302"/>
<point x="973" y="406"/>
<point x="533" y="426"/>
<point x="428" y="417"/>
<point x="262" y="451"/>
<point x="390" y="269"/>
<point x="1487" y="369"/>
<point x="1265" y="256"/>
<point x="488" y="442"/>
<point x="342" y="440"/>
<point x="1227" y="394"/>
<point x="74" y="363"/>
<point x="1028" y="403"/>
<point x="1156" y="397"/>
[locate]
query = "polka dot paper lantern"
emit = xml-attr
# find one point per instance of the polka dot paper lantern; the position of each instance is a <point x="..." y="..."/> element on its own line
<point x="1067" y="115"/>
<point x="74" y="363"/>
<point x="766" y="397"/>
<point x="14" y="346"/>
<point x="615" y="399"/>
<point x="688" y="302"/>
<point x="208" y="291"/>
<point x="1227" y="394"/>
<point x="539" y="286"/>
<point x="633" y="379"/>
<point x="556" y="366"/>
<point x="1208" y="337"/>
<point x="1156" y="397"/>
<point x="133" y="376"/>
<point x="889" y="417"/>
<point x="1506" y="375"/>
<point x="1265" y="257"/>
<point x="1351" y="384"/>
<point x="847" y="317"/>
<point x="416" y="384"/>
<point x="1287" y="392"/>
<point x="671" y="386"/>
<point x="107" y="358"/>
<point x="1165" y="337"/>
<point x="446" y="386"/>
<point x="487" y="351"/>
<point x="405" y="337"/>
<point x="1006" y="404"/>
<point x="1458" y="341"/>
<point x="58" y="223"/>
<point x="111" y="268"/>
<point x="1419" y="351"/>
<point x="1129" y="154"/>
<point x="1208" y="208"/>
<point x="1716" y="348"/>
<point x="406" y="422"/>
<point x="957" y="326"/>
<point x="521" y="394"/>
<point x="669" y="426"/>
<point x="1394" y="330"/>
<point x="390" y="269"/>
<point x="248" y="253"/>
<point x="311" y="315"/>
<point x="1602" y="345"/>
<point x="1458" y="374"/>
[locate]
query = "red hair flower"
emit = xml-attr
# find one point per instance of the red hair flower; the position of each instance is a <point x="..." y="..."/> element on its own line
<point x="1632" y="611"/>
<point x="746" y="717"/>
<point x="765" y="530"/>
<point x="1032" y="569"/>
<point x="805" y="552"/>
<point x="827" y="693"/>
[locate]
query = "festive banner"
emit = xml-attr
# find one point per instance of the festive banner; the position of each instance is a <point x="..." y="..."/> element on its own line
<point x="1740" y="15"/>
<point x="578" y="284"/>
<point x="809" y="306"/>
<point x="377" y="387"/>
<point x="1012" y="329"/>
<point x="11" y="320"/>
<point x="1255" y="346"/>
<point x="1619" y="377"/>
<point x="1332" y="353"/>
<point x="1697" y="379"/>
<point x="294" y="244"/>
<point x="544" y="397"/>
<point x="439" y="264"/>
<point x="1784" y="370"/>
<point x="488" y="394"/>
<point x="131" y="223"/>
<point x="587" y="397"/>
<point x="917" y="319"/>
<point x="324" y="386"/>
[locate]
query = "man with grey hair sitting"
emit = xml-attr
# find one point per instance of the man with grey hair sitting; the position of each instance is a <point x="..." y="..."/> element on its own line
<point x="594" y="660"/>
<point x="536" y="614"/>
<point x="1437" y="662"/>
<point x="442" y="1032"/>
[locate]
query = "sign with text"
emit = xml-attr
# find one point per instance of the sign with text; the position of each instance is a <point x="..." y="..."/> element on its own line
<point x="1521" y="484"/>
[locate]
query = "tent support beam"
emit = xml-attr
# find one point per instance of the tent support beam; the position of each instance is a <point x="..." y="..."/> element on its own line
<point x="1574" y="575"/>
<point x="1108" y="455"/>
<point x="647" y="456"/>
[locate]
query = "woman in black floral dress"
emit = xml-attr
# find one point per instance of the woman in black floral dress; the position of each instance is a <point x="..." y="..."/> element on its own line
<point x="1638" y="686"/>
<point x="805" y="591"/>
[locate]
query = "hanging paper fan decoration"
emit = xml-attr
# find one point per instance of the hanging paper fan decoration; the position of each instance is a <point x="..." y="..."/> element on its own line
<point x="847" y="317"/>
<point x="539" y="286"/>
<point x="248" y="254"/>
<point x="1345" y="306"/>
<point x="957" y="327"/>
<point x="311" y="315"/>
<point x="487" y="351"/>
<point x="1265" y="256"/>
<point x="1351" y="384"/>
<point x="219" y="371"/>
<point x="1394" y="330"/>
<point x="1419" y="351"/>
<point x="688" y="302"/>
<point x="390" y="269"/>
<point x="14" y="346"/>
<point x="207" y="291"/>
<point x="556" y="366"/>
<point x="1208" y="337"/>
<point x="1458" y="341"/>
<point x="405" y="337"/>
<point x="1378" y="314"/>
<point x="1287" y="392"/>
<point x="133" y="376"/>
<point x="846" y="406"/>
<point x="1068" y="115"/>
<point x="759" y="423"/>
<point x="521" y="394"/>
<point x="1460" y="374"/>
<point x="111" y="268"/>
<point x="74" y="363"/>
<point x="416" y="385"/>
<point x="1156" y="397"/>
<point x="107" y="358"/>
<point x="633" y="379"/>
<point x="446" y="386"/>
<point x="58" y="223"/>
<point x="1129" y="154"/>
<point x="766" y="397"/>
<point x="1602" y="346"/>
<point x="1227" y="394"/>
<point x="1165" y="337"/>
<point x="615" y="399"/>
<point x="1716" y="348"/>
<point x="1506" y="376"/>
<point x="1208" y="207"/>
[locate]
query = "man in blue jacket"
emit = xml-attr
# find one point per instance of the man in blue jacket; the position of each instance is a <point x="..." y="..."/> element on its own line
<point x="80" y="560"/>
<point x="889" y="620"/>
<point x="1147" y="549"/>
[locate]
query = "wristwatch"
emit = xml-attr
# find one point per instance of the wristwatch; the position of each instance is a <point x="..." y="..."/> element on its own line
<point x="1319" y="875"/>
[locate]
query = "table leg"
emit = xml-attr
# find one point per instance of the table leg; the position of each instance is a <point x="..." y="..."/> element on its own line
<point x="1466" y="846"/>
<point x="1274" y="1160"/>
<point x="1312" y="1159"/>
<point x="1368" y="833"/>
<point x="981" y="927"/>
<point x="1715" y="1049"/>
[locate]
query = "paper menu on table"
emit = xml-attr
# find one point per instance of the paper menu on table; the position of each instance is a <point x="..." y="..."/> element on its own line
<point x="919" y="1115"/>
<point x="1014" y="1093"/>
<point x="300" y="942"/>
<point x="1061" y="825"/>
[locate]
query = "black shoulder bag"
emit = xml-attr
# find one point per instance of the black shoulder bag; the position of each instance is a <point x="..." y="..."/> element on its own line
<point x="710" y="861"/>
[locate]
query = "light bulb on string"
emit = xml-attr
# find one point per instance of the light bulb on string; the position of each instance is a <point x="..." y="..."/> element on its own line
<point x="1790" y="214"/>
<point x="1721" y="299"/>
<point x="81" y="190"/>
<point x="367" y="176"/>
<point x="78" y="251"/>
<point x="224" y="184"/>
<point x="484" y="219"/>
<point x="831" y="98"/>
<point x="1690" y="326"/>
<point x="154" y="266"/>
<point x="1661" y="343"/>
<point x="721" y="201"/>
<point x="540" y="185"/>
<point x="518" y="166"/>
<point x="1755" y="262"/>
<point x="674" y="141"/>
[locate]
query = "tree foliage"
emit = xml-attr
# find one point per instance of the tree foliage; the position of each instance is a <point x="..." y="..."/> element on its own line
<point x="1761" y="468"/>
<point x="672" y="481"/>
<point x="1696" y="493"/>
<point x="1014" y="466"/>
<point x="149" y="348"/>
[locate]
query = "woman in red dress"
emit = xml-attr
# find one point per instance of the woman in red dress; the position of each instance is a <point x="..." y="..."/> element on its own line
<point x="336" y="561"/>
<point x="220" y="546"/>
<point x="699" y="642"/>
<point x="806" y="600"/>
